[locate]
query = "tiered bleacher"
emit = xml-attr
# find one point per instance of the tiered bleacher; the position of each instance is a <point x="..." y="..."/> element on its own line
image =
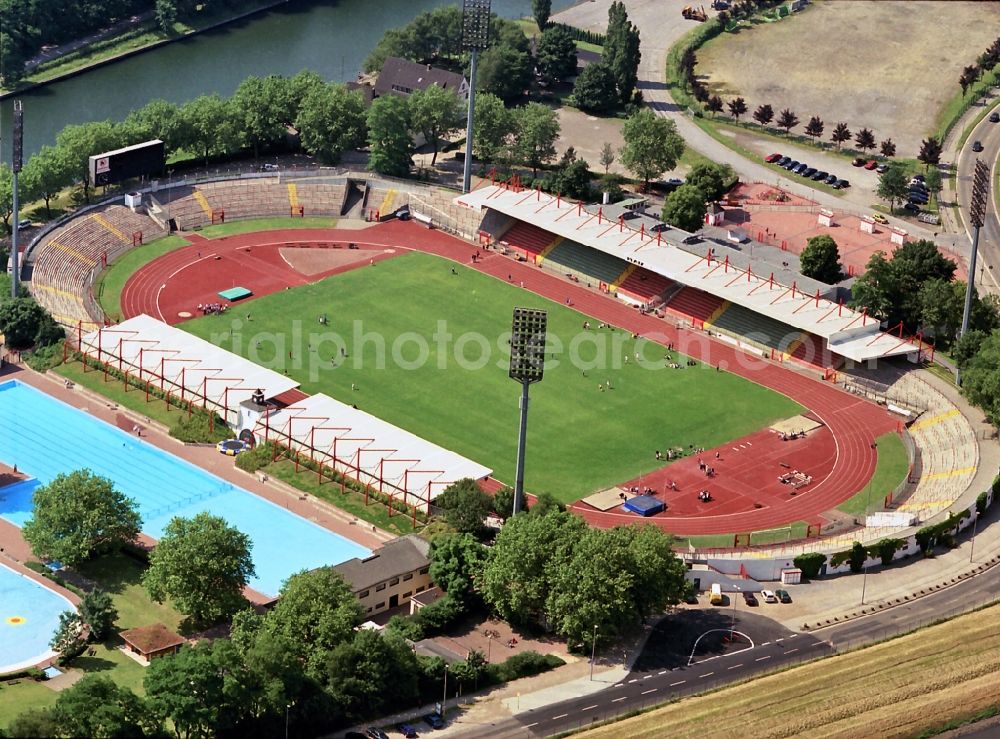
<point x="588" y="265"/>
<point x="645" y="286"/>
<point x="694" y="305"/>
<point x="64" y="261"/>
<point x="527" y="241"/>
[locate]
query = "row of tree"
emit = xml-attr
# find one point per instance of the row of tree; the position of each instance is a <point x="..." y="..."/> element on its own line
<point x="986" y="62"/>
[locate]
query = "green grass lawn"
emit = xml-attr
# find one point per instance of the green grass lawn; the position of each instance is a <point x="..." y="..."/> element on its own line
<point x="15" y="699"/>
<point x="891" y="468"/>
<point x="120" y="576"/>
<point x="579" y="439"/>
<point x="112" y="281"/>
<point x="265" y="224"/>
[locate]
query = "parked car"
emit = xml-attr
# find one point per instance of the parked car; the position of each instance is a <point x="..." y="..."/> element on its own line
<point x="831" y="180"/>
<point x="918" y="177"/>
<point x="772" y="158"/>
<point x="374" y="732"/>
<point x="881" y="168"/>
<point x="792" y="165"/>
<point x="434" y="720"/>
<point x="768" y="596"/>
<point x="879" y="218"/>
<point x="783" y="596"/>
<point x="871" y="164"/>
<point x="821" y="175"/>
<point x="783" y="161"/>
<point x="911" y="207"/>
<point x="994" y="117"/>
<point x="842" y="184"/>
<point x="406" y="730"/>
<point x="801" y="168"/>
<point x="917" y="197"/>
<point x="931" y="218"/>
<point x="808" y="171"/>
<point x="977" y="145"/>
<point x="750" y="599"/>
<point x="858" y="162"/>
<point x="23" y="224"/>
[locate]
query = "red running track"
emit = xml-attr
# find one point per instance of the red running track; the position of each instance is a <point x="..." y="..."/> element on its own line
<point x="853" y="423"/>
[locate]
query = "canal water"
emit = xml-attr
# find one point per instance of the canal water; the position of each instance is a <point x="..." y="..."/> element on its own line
<point x="332" y="38"/>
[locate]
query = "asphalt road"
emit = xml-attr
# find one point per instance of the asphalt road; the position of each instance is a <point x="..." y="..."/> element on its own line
<point x="988" y="271"/>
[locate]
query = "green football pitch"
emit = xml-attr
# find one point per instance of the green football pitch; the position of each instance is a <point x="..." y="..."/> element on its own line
<point x="426" y="350"/>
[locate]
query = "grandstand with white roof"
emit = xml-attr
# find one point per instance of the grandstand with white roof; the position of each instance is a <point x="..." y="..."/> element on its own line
<point x="710" y="280"/>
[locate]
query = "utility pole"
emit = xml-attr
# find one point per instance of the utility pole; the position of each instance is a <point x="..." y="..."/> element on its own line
<point x="475" y="38"/>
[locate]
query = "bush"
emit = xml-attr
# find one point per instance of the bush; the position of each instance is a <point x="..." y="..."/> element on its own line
<point x="810" y="564"/>
<point x="256" y="458"/>
<point x="527" y="664"/>
<point x="46" y="358"/>
<point x="408" y="627"/>
<point x="982" y="502"/>
<point x="440" y="614"/>
<point x="197" y="430"/>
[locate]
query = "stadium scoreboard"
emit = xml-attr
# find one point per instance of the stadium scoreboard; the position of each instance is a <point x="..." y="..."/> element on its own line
<point x="115" y="166"/>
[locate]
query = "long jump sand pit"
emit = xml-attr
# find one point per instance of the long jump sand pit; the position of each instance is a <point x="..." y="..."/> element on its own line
<point x="309" y="262"/>
<point x="885" y="64"/>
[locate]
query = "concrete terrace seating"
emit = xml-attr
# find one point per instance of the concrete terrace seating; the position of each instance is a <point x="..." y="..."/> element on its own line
<point x="645" y="284"/>
<point x="63" y="262"/>
<point x="320" y="199"/>
<point x="529" y="239"/>
<point x="756" y="327"/>
<point x="694" y="304"/>
<point x="586" y="262"/>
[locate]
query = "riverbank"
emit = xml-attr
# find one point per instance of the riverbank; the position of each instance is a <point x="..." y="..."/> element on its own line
<point x="130" y="42"/>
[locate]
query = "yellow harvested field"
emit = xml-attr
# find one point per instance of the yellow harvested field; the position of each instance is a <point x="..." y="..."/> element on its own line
<point x="889" y="65"/>
<point x="894" y="689"/>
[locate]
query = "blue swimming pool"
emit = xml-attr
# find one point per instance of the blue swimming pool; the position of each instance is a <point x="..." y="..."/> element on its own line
<point x="45" y="437"/>
<point x="29" y="616"/>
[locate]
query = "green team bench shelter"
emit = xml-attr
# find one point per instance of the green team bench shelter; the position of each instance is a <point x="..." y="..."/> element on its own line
<point x="235" y="293"/>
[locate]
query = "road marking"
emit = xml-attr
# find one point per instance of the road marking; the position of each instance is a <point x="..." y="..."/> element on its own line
<point x="733" y="667"/>
<point x="680" y="682"/>
<point x="589" y="707"/>
<point x="791" y="651"/>
<point x="646" y="677"/>
<point x="820" y="644"/>
<point x="633" y="680"/>
<point x="619" y="685"/>
<point x="528" y="726"/>
<point x="618" y="699"/>
<point x="761" y="659"/>
<point x="561" y="715"/>
<point x="662" y="672"/>
<point x="647" y="692"/>
<point x="707" y="674"/>
<point x="765" y="644"/>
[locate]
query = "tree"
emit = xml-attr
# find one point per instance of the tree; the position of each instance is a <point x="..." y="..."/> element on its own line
<point x="714" y="105"/>
<point x="787" y="120"/>
<point x="80" y="142"/>
<point x="70" y="636"/>
<point x="504" y="71"/>
<point x="573" y="180"/>
<point x="208" y="126"/>
<point x="202" y="564"/>
<point x="607" y="156"/>
<point x="684" y="208"/>
<point x="712" y="179"/>
<point x="456" y="563"/>
<point x="864" y="139"/>
<point x="187" y="689"/>
<point x="764" y="114"/>
<point x="967" y="346"/>
<point x="98" y="611"/>
<point x="930" y="152"/>
<point x="34" y="723"/>
<point x="892" y="185"/>
<point x="737" y="107"/>
<point x="157" y="119"/>
<point x="78" y="515"/>
<point x="331" y="121"/>
<point x="465" y="506"/>
<point x="841" y="133"/>
<point x="372" y="674"/>
<point x="97" y="707"/>
<point x="436" y="113"/>
<point x="887" y="548"/>
<point x="820" y="260"/>
<point x="537" y="131"/>
<point x="6" y="197"/>
<point x="260" y="107"/>
<point x="888" y="148"/>
<point x="389" y="136"/>
<point x="981" y="378"/>
<point x="933" y="181"/>
<point x="941" y="306"/>
<point x="621" y="51"/>
<point x="541" y="10"/>
<point x="556" y="56"/>
<point x="493" y="128"/>
<point x="20" y="321"/>
<point x="316" y="612"/>
<point x="652" y="145"/>
<point x="595" y="90"/>
<point x="815" y="127"/>
<point x="46" y="174"/>
<point x="166" y="15"/>
<point x="857" y="557"/>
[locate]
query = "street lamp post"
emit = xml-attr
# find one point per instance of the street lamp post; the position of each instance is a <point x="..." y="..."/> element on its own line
<point x="732" y="629"/>
<point x="593" y="652"/>
<point x="288" y="707"/>
<point x="868" y="503"/>
<point x="444" y="695"/>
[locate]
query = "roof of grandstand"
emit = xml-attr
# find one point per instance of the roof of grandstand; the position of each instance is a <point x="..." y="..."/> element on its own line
<point x="779" y="294"/>
<point x="368" y="444"/>
<point x="224" y="378"/>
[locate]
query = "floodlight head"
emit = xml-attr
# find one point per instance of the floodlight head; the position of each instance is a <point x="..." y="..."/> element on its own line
<point x="527" y="345"/>
<point x="475" y="24"/>
<point x="980" y="191"/>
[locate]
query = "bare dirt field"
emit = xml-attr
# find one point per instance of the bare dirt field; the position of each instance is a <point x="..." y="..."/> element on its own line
<point x="889" y="65"/>
<point x="893" y="689"/>
<point x="314" y="261"/>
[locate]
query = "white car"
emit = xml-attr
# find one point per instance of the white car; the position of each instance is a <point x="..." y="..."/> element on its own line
<point x="768" y="596"/>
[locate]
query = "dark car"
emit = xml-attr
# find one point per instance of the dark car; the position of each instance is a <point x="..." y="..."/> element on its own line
<point x="821" y="175"/>
<point x="783" y="161"/>
<point x="977" y="145"/>
<point x="916" y="197"/>
<point x="918" y="177"/>
<point x="842" y="184"/>
<point x="801" y="168"/>
<point x="375" y="733"/>
<point x="882" y="168"/>
<point x="858" y="162"/>
<point x="772" y="158"/>
<point x="808" y="171"/>
<point x="831" y="180"/>
<point x="434" y="720"/>
<point x="911" y="207"/>
<point x="406" y="730"/>
<point x="994" y="117"/>
<point x="750" y="599"/>
<point x="783" y="596"/>
<point x="792" y="164"/>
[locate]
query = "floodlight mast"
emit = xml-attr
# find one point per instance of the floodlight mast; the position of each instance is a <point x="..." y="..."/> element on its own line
<point x="475" y="38"/>
<point x="16" y="162"/>
<point x="977" y="215"/>
<point x="527" y="365"/>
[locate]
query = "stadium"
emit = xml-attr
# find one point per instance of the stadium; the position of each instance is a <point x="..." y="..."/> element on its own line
<point x="704" y="377"/>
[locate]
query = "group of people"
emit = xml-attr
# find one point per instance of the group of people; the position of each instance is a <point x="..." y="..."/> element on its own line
<point x="792" y="436"/>
<point x="708" y="470"/>
<point x="208" y="308"/>
<point x="704" y="496"/>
